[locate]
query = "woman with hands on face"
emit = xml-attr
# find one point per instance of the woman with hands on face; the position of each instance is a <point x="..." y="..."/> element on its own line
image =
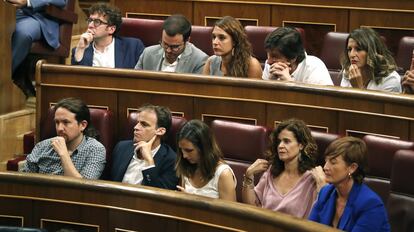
<point x="290" y="181"/>
<point x="200" y="164"/>
<point x="368" y="64"/>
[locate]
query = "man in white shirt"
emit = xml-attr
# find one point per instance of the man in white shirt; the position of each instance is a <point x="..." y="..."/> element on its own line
<point x="100" y="46"/>
<point x="146" y="159"/>
<point x="288" y="61"/>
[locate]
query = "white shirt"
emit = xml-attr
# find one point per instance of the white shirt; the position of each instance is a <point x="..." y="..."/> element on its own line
<point x="311" y="70"/>
<point x="133" y="174"/>
<point x="105" y="58"/>
<point x="390" y="83"/>
<point x="167" y="67"/>
<point x="211" y="188"/>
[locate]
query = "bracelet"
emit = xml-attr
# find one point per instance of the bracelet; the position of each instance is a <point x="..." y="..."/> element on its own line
<point x="247" y="182"/>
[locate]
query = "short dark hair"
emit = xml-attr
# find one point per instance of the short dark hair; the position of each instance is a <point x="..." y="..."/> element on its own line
<point x="81" y="111"/>
<point x="352" y="150"/>
<point x="164" y="118"/>
<point x="287" y="41"/>
<point x="111" y="13"/>
<point x="177" y="24"/>
<point x="201" y="136"/>
<point x="303" y="135"/>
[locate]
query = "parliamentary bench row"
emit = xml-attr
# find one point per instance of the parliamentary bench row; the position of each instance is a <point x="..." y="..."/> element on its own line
<point x="333" y="44"/>
<point x="390" y="161"/>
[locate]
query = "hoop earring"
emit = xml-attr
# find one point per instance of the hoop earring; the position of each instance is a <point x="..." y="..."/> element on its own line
<point x="232" y="51"/>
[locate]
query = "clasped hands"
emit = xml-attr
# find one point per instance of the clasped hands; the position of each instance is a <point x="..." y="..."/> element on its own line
<point x="280" y="71"/>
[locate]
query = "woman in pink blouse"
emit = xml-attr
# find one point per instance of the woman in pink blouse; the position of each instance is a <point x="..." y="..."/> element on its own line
<point x="290" y="181"/>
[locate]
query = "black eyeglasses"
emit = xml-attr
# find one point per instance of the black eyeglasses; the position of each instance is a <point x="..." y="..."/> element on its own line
<point x="174" y="48"/>
<point x="96" y="22"/>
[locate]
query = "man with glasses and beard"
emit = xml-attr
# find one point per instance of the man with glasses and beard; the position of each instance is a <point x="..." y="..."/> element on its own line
<point x="174" y="53"/>
<point x="100" y="46"/>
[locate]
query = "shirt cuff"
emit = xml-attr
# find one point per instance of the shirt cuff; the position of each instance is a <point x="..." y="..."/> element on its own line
<point x="146" y="168"/>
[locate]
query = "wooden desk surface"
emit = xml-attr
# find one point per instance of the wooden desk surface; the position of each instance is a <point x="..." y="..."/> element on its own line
<point x="55" y="201"/>
<point x="338" y="110"/>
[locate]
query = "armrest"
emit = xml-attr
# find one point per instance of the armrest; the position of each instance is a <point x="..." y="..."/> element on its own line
<point x="14" y="164"/>
<point x="61" y="15"/>
<point x="28" y="145"/>
<point x="28" y="142"/>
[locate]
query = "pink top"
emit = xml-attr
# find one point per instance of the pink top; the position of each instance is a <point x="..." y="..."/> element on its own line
<point x="297" y="202"/>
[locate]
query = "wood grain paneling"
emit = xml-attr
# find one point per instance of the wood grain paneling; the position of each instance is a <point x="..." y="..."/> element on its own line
<point x="238" y="111"/>
<point x="111" y="205"/>
<point x="337" y="109"/>
<point x="154" y="7"/>
<point x="11" y="98"/>
<point x="316" y="24"/>
<point x="317" y="119"/>
<point x="249" y="12"/>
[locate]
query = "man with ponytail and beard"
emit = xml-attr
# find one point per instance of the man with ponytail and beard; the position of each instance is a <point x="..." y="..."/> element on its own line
<point x="74" y="151"/>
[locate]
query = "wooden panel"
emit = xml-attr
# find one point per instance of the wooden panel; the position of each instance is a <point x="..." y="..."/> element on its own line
<point x="316" y="119"/>
<point x="11" y="97"/>
<point x="111" y="205"/>
<point x="10" y="215"/>
<point x="360" y="125"/>
<point x="316" y="22"/>
<point x="156" y="7"/>
<point x="139" y="222"/>
<point x="392" y="25"/>
<point x="238" y="111"/>
<point x="261" y="13"/>
<point x="252" y="101"/>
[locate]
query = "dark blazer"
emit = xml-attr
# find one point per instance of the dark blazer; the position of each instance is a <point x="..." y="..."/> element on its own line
<point x="127" y="52"/>
<point x="364" y="210"/>
<point x="161" y="176"/>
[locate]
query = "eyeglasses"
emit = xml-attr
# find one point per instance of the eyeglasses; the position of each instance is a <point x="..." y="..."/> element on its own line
<point x="96" y="22"/>
<point x="174" y="48"/>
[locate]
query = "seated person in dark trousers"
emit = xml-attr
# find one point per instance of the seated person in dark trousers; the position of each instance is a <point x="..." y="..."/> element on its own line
<point x="100" y="46"/>
<point x="147" y="160"/>
<point x="174" y="53"/>
<point x="74" y="151"/>
<point x="31" y="25"/>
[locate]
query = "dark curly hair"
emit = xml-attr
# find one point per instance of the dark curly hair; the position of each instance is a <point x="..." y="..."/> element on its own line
<point x="303" y="135"/>
<point x="111" y="13"/>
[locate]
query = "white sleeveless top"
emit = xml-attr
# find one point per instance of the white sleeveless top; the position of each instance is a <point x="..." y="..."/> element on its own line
<point x="211" y="188"/>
